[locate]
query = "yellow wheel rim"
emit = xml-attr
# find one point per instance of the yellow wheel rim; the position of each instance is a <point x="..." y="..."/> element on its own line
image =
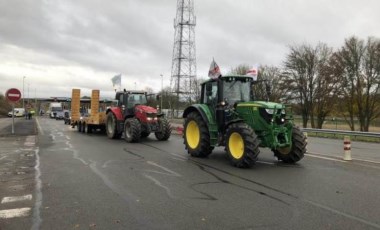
<point x="192" y="134"/>
<point x="236" y="145"/>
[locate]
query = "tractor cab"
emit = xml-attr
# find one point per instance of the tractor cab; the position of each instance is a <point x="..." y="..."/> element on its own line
<point x="127" y="101"/>
<point x="227" y="90"/>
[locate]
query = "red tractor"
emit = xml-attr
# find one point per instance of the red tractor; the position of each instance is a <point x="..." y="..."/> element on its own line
<point x="133" y="117"/>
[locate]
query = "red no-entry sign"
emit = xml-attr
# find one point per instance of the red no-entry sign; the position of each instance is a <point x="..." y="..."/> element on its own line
<point x="13" y="95"/>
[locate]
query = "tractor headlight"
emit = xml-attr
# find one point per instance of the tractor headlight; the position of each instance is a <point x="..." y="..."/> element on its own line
<point x="123" y="107"/>
<point x="270" y="111"/>
<point x="149" y="118"/>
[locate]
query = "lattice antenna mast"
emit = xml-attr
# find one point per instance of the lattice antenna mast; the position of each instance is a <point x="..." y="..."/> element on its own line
<point x="184" y="67"/>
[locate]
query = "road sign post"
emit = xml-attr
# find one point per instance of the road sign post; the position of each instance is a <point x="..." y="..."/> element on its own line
<point x="13" y="95"/>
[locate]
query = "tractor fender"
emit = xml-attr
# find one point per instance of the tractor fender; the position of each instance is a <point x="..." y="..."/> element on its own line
<point x="117" y="112"/>
<point x="233" y="121"/>
<point x="203" y="110"/>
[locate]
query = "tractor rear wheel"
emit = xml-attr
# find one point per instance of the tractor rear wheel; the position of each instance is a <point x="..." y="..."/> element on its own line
<point x="132" y="130"/>
<point x="111" y="127"/>
<point x="196" y="136"/>
<point x="242" y="145"/>
<point x="296" y="151"/>
<point x="165" y="128"/>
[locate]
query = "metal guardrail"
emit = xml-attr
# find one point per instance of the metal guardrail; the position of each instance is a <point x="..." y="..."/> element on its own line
<point x="342" y="132"/>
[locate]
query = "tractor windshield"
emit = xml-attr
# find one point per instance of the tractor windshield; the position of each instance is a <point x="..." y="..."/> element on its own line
<point x="236" y="90"/>
<point x="134" y="99"/>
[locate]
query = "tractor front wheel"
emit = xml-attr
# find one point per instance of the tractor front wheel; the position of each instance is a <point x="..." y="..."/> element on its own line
<point x="296" y="151"/>
<point x="132" y="130"/>
<point x="111" y="126"/>
<point x="242" y="145"/>
<point x="196" y="136"/>
<point x="165" y="130"/>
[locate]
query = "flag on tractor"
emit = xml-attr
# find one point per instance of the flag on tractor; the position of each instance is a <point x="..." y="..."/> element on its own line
<point x="214" y="71"/>
<point x="253" y="72"/>
<point x="116" y="80"/>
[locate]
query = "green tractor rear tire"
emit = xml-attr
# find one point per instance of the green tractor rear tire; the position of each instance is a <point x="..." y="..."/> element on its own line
<point x="165" y="128"/>
<point x="296" y="151"/>
<point x="242" y="145"/>
<point x="196" y="136"/>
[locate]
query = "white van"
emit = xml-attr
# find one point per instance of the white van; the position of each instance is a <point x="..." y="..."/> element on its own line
<point x="19" y="112"/>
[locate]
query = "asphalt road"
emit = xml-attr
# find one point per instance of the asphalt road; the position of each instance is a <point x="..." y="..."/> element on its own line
<point x="87" y="181"/>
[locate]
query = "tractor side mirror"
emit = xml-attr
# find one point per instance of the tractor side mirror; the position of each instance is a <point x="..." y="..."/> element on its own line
<point x="158" y="96"/>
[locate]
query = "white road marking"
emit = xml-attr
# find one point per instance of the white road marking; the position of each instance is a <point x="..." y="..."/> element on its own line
<point x="325" y="158"/>
<point x="374" y="162"/>
<point x="158" y="183"/>
<point x="171" y="173"/>
<point x="11" y="213"/>
<point x="2" y="157"/>
<point x="10" y="199"/>
<point x="38" y="203"/>
<point x="264" y="162"/>
<point x="39" y="127"/>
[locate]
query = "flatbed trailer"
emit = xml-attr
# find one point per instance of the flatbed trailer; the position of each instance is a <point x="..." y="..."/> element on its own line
<point x="96" y="119"/>
<point x="75" y="107"/>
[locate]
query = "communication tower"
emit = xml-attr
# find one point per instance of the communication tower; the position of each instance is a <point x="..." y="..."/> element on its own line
<point x="184" y="65"/>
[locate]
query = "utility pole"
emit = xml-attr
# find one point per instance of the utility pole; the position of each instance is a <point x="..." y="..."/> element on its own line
<point x="184" y="67"/>
<point x="23" y="94"/>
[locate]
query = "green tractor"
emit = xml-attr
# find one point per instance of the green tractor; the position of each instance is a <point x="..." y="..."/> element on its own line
<point x="229" y="116"/>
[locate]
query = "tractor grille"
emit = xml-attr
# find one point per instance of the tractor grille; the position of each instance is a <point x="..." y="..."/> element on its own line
<point x="152" y="115"/>
<point x="277" y="117"/>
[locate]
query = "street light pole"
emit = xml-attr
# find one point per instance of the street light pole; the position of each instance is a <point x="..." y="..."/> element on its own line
<point x="23" y="94"/>
<point x="28" y="93"/>
<point x="162" y="84"/>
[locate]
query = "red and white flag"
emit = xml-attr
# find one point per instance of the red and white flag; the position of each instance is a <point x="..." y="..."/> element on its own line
<point x="253" y="72"/>
<point x="214" y="71"/>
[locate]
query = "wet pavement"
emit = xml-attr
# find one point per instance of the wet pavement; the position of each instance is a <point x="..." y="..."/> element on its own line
<point x="18" y="154"/>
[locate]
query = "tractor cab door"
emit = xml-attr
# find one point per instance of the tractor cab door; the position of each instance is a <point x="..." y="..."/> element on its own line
<point x="210" y="96"/>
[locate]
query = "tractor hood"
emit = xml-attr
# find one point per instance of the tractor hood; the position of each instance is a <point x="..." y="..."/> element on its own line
<point x="146" y="109"/>
<point x="262" y="104"/>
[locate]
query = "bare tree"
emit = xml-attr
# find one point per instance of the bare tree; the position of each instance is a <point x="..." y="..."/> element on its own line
<point x="360" y="80"/>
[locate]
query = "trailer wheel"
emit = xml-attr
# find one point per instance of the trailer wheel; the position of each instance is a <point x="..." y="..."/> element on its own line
<point x="132" y="130"/>
<point x="88" y="128"/>
<point x="242" y="145"/>
<point x="84" y="127"/>
<point x="165" y="128"/>
<point x="296" y="152"/>
<point x="79" y="126"/>
<point x="111" y="127"/>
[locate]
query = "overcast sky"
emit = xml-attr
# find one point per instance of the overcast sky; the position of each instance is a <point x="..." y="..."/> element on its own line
<point x="63" y="44"/>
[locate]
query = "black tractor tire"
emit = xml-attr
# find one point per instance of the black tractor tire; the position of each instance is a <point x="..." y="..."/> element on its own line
<point x="242" y="145"/>
<point x="145" y="134"/>
<point x="132" y="130"/>
<point x="165" y="128"/>
<point x="297" y="150"/>
<point x="196" y="136"/>
<point x="111" y="127"/>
